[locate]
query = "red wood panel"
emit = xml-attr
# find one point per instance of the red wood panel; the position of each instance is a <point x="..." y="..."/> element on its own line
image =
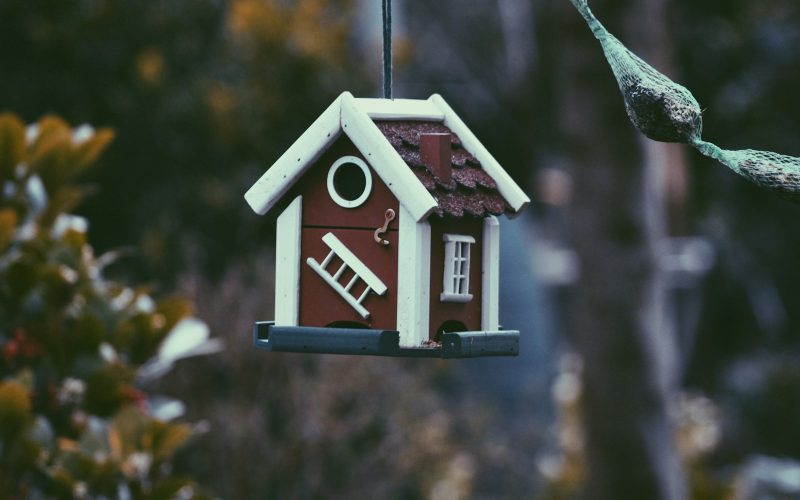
<point x="320" y="210"/>
<point x="468" y="313"/>
<point x="321" y="305"/>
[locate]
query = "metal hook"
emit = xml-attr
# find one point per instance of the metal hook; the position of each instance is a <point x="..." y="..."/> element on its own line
<point x="389" y="217"/>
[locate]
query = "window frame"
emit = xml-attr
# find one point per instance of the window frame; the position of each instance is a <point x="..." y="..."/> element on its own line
<point x="457" y="257"/>
<point x="335" y="196"/>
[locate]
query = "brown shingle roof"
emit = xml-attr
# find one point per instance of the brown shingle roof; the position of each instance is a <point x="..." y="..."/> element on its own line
<point x="471" y="192"/>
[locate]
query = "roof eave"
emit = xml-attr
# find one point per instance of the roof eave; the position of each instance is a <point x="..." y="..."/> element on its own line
<point x="513" y="194"/>
<point x="293" y="163"/>
<point x="400" y="109"/>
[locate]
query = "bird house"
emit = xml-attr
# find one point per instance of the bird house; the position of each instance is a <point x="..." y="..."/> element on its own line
<point x="387" y="234"/>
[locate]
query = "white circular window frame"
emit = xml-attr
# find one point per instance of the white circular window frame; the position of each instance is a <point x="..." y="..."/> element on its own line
<point x="367" y="185"/>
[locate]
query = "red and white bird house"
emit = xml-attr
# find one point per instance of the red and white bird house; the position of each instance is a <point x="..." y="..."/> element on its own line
<point x="387" y="239"/>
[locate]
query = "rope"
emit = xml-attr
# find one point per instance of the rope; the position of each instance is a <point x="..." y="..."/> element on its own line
<point x="387" y="49"/>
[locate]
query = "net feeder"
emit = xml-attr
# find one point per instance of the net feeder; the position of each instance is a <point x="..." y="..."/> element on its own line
<point x="668" y="112"/>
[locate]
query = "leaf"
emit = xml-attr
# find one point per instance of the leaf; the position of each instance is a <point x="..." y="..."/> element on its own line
<point x="63" y="201"/>
<point x="87" y="152"/>
<point x="167" y="438"/>
<point x="48" y="127"/>
<point x="174" y="309"/>
<point x="106" y="389"/>
<point x="21" y="275"/>
<point x="88" y="330"/>
<point x="190" y="337"/>
<point x="12" y="145"/>
<point x="8" y="225"/>
<point x="67" y="445"/>
<point x="126" y="432"/>
<point x="15" y="409"/>
<point x="49" y="155"/>
<point x="59" y="284"/>
<point x="168" y="488"/>
<point x="95" y="439"/>
<point x="115" y="442"/>
<point x="165" y="409"/>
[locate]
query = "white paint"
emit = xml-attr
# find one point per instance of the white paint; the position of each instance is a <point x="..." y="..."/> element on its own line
<point x="287" y="264"/>
<point x="342" y="202"/>
<point x="458" y="237"/>
<point x="400" y="109"/>
<point x="354" y="117"/>
<point x="490" y="301"/>
<point x="413" y="279"/>
<point x="355" y="263"/>
<point x="345" y="294"/>
<point x="277" y="180"/>
<point x="455" y="297"/>
<point x="388" y="164"/>
<point x="455" y="282"/>
<point x="505" y="184"/>
<point x="362" y="272"/>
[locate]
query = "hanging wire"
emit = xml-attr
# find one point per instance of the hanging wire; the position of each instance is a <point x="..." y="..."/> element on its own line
<point x="387" y="49"/>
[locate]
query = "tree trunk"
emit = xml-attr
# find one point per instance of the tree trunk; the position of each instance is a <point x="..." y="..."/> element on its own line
<point x="618" y="216"/>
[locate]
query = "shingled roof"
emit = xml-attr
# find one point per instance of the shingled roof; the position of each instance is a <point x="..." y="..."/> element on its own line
<point x="471" y="191"/>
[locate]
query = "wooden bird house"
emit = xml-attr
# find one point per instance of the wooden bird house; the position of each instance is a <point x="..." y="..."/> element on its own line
<point x="387" y="239"/>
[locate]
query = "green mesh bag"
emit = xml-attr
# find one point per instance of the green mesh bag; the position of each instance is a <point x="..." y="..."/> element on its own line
<point x="773" y="171"/>
<point x="660" y="108"/>
<point x="666" y="111"/>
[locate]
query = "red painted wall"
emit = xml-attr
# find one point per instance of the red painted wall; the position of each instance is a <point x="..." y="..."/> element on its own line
<point x="320" y="210"/>
<point x="468" y="313"/>
<point x="321" y="305"/>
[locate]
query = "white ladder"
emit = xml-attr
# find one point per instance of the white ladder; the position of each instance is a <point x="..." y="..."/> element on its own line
<point x="360" y="270"/>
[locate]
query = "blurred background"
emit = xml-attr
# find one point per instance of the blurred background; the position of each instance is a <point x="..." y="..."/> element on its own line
<point x="655" y="290"/>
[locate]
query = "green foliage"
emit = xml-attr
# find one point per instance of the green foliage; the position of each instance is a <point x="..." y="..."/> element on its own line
<point x="74" y="421"/>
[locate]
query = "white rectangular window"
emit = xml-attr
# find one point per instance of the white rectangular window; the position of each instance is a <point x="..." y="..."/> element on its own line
<point x="456" y="268"/>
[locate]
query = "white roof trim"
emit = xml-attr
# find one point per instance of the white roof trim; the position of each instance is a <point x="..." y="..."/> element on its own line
<point x="280" y="177"/>
<point x="354" y="117"/>
<point x="400" y="109"/>
<point x="386" y="161"/>
<point x="505" y="184"/>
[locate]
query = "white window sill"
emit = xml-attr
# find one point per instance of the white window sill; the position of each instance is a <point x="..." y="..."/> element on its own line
<point x="455" y="297"/>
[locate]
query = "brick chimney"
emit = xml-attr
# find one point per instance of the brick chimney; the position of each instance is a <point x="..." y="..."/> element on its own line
<point x="436" y="153"/>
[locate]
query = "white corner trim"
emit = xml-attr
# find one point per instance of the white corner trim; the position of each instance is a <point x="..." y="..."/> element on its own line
<point x="490" y="303"/>
<point x="277" y="180"/>
<point x="386" y="162"/>
<point x="413" y="280"/>
<point x="505" y="184"/>
<point x="287" y="264"/>
<point x="335" y="196"/>
<point x="399" y="109"/>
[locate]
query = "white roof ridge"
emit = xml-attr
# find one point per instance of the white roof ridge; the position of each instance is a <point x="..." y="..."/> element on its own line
<point x="400" y="109"/>
<point x="355" y="118"/>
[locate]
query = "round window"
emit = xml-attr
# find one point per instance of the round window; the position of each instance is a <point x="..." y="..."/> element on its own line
<point x="349" y="182"/>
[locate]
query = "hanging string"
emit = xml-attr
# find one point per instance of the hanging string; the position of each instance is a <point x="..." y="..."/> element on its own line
<point x="387" y="49"/>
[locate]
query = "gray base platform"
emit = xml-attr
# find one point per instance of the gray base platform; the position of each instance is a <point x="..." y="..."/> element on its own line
<point x="308" y="339"/>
